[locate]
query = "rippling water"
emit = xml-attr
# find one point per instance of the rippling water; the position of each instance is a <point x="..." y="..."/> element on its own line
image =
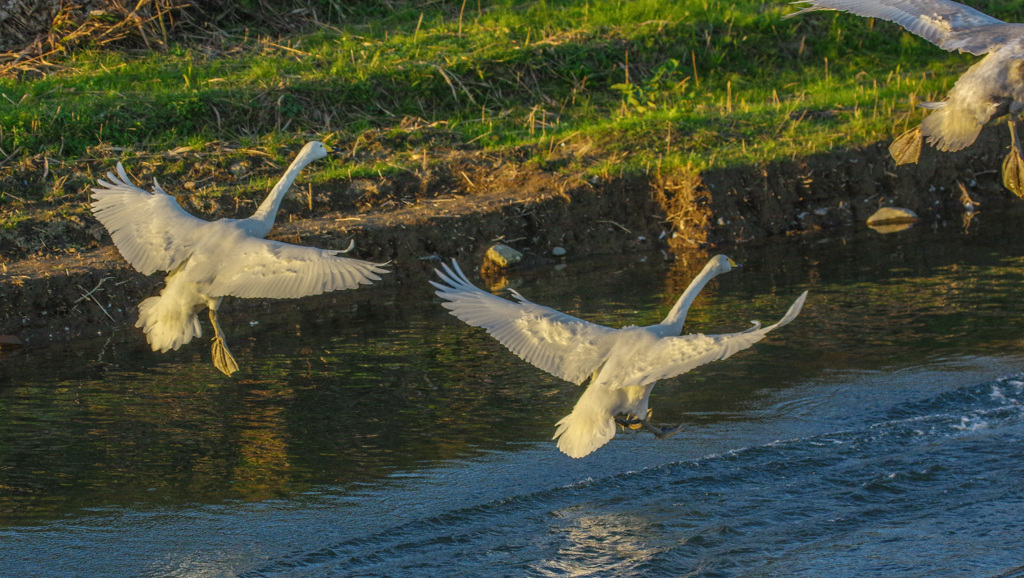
<point x="373" y="434"/>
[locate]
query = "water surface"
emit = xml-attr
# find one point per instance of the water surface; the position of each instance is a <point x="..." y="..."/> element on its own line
<point x="373" y="434"/>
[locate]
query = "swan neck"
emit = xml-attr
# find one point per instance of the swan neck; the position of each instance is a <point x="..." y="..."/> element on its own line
<point x="265" y="214"/>
<point x="677" y="316"/>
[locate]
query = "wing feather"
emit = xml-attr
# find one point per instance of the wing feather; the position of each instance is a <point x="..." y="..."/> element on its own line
<point x="560" y="344"/>
<point x="150" y="229"/>
<point x="672" y="356"/>
<point x="274" y="270"/>
<point x="947" y="24"/>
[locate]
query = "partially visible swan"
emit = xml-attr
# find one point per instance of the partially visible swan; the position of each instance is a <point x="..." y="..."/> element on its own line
<point x="621" y="365"/>
<point x="208" y="260"/>
<point x="992" y="87"/>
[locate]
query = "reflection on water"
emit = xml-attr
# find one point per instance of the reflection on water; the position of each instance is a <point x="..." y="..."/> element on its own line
<point x="370" y="389"/>
<point x="598" y="542"/>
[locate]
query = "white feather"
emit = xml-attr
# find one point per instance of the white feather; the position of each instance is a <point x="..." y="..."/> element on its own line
<point x="992" y="87"/>
<point x="208" y="260"/>
<point x="947" y="24"/>
<point x="622" y="364"/>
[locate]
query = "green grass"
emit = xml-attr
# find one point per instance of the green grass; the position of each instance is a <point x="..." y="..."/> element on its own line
<point x="690" y="83"/>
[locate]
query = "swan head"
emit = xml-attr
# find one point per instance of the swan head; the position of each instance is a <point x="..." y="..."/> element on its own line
<point x="677" y="316"/>
<point x="314" y="150"/>
<point x="722" y="264"/>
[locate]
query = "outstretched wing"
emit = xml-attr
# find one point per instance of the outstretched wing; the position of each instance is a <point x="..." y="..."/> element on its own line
<point x="151" y="230"/>
<point x="672" y="356"/>
<point x="560" y="344"/>
<point x="266" y="269"/>
<point x="947" y="24"/>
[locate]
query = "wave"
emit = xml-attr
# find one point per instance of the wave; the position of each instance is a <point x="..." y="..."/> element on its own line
<point x="930" y="487"/>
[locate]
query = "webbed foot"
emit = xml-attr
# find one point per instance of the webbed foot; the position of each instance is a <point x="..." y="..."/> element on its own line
<point x="222" y="358"/>
<point x="906" y="148"/>
<point x="632" y="422"/>
<point x="1013" y="164"/>
<point x="628" y="423"/>
<point x="1013" y="173"/>
<point x="662" y="433"/>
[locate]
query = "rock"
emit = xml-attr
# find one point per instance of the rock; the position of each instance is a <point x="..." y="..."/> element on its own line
<point x="240" y="168"/>
<point x="9" y="341"/>
<point x="889" y="215"/>
<point x="892" y="219"/>
<point x="558" y="251"/>
<point x="503" y="255"/>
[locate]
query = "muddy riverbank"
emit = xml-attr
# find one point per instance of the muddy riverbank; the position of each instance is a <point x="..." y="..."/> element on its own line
<point x="464" y="201"/>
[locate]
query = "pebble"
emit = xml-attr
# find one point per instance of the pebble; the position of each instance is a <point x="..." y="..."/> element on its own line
<point x="503" y="255"/>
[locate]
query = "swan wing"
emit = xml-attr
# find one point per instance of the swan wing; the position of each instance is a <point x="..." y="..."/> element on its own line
<point x="260" y="268"/>
<point x="672" y="356"/>
<point x="560" y="344"/>
<point x="947" y="24"/>
<point x="150" y="229"/>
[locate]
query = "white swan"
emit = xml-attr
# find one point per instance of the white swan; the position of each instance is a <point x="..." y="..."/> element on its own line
<point x="621" y="365"/>
<point x="208" y="260"/>
<point x="992" y="87"/>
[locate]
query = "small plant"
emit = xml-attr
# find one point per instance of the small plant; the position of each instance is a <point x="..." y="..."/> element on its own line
<point x="655" y="91"/>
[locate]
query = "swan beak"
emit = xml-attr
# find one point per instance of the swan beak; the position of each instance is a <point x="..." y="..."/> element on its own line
<point x="734" y="264"/>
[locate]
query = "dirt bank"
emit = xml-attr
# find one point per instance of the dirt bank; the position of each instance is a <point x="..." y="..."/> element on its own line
<point x="464" y="201"/>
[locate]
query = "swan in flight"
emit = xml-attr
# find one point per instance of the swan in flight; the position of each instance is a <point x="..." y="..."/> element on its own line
<point x="621" y="365"/>
<point x="992" y="87"/>
<point x="208" y="260"/>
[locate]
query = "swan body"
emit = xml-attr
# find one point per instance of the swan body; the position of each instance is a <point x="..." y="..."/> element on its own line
<point x="620" y="366"/>
<point x="207" y="260"/>
<point x="992" y="87"/>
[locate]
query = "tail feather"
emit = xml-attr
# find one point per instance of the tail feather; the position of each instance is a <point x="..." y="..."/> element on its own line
<point x="584" y="430"/>
<point x="166" y="324"/>
<point x="950" y="128"/>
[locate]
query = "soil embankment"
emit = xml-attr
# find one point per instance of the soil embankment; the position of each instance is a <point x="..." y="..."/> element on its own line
<point x="460" y="206"/>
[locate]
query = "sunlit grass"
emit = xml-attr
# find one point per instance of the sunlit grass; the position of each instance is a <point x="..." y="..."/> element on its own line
<point x="692" y="83"/>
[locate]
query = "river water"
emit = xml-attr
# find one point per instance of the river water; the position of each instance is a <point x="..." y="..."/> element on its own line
<point x="371" y="433"/>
